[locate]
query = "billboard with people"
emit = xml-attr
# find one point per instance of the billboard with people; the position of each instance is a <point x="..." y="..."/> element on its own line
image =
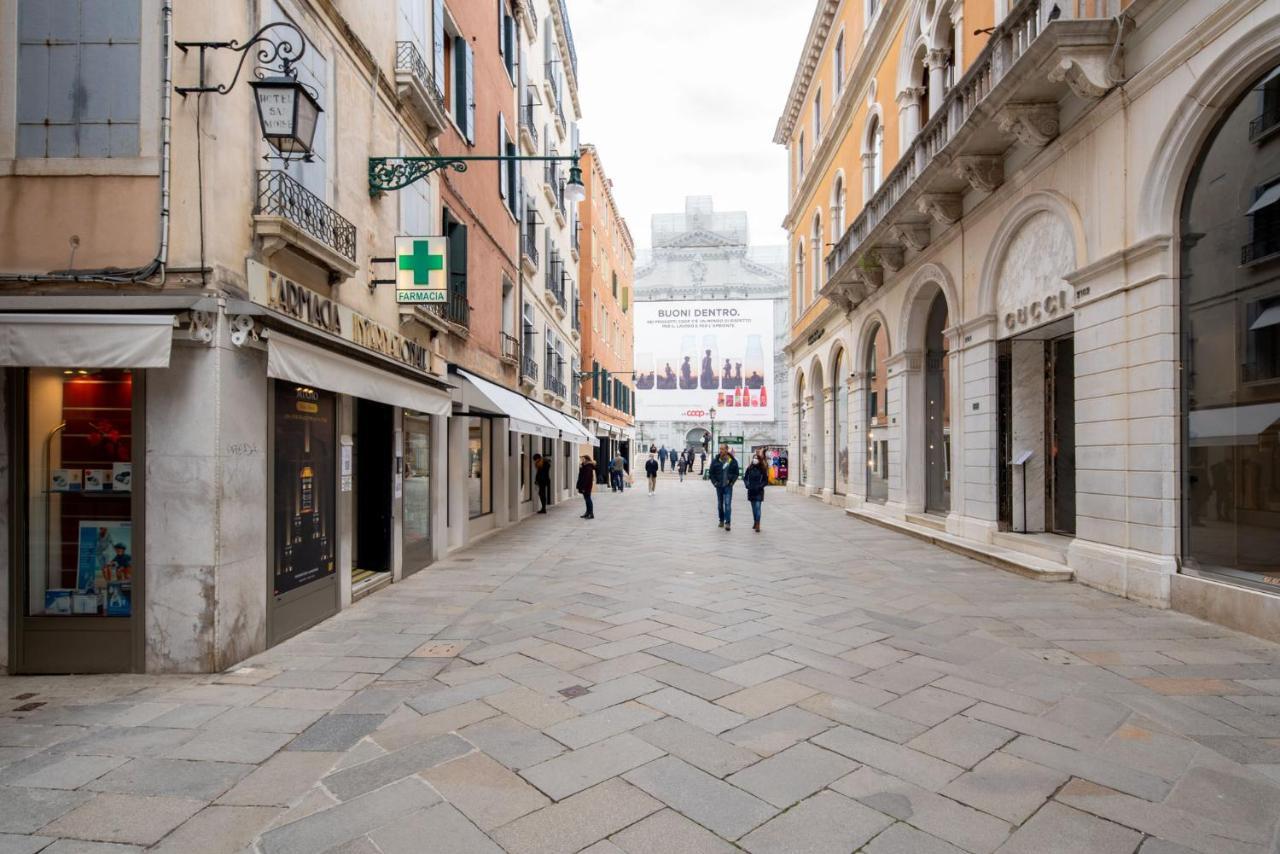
<point x="691" y="355"/>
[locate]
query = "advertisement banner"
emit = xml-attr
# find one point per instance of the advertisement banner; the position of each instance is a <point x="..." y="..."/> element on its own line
<point x="692" y="355"/>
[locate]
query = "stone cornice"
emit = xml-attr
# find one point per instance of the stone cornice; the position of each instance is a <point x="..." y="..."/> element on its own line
<point x="819" y="28"/>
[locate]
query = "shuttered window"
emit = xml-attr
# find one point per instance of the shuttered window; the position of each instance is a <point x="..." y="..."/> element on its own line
<point x="464" y="88"/>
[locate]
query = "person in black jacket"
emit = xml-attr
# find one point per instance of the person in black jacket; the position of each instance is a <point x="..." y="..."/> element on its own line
<point x="542" y="480"/>
<point x="586" y="480"/>
<point x="651" y="471"/>
<point x="755" y="479"/>
<point x="723" y="474"/>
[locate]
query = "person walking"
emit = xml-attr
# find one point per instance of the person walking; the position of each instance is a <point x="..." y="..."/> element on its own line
<point x="651" y="471"/>
<point x="682" y="467"/>
<point x="662" y="457"/>
<point x="723" y="475"/>
<point x="755" y="479"/>
<point x="587" y="480"/>
<point x="542" y="480"/>
<point x="619" y="472"/>
<point x="702" y="462"/>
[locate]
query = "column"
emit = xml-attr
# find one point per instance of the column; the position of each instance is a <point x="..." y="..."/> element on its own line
<point x="343" y="555"/>
<point x="908" y="116"/>
<point x="503" y="470"/>
<point x="438" y="486"/>
<point x="811" y="475"/>
<point x="795" y="447"/>
<point x="829" y="455"/>
<point x="857" y="440"/>
<point x="937" y="62"/>
<point x="397" y="493"/>
<point x="459" y="511"/>
<point x="906" y="431"/>
<point x="955" y="422"/>
<point x="957" y="38"/>
<point x="1028" y="437"/>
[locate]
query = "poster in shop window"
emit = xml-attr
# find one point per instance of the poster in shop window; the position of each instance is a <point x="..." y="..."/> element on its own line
<point x="691" y="355"/>
<point x="304" y="486"/>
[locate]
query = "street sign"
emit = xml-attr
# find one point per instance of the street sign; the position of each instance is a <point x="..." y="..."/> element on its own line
<point x="730" y="440"/>
<point x="422" y="269"/>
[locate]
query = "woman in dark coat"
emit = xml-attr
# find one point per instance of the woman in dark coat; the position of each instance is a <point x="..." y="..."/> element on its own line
<point x="586" y="480"/>
<point x="756" y="478"/>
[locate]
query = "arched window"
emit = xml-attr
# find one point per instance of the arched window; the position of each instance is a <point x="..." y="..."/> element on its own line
<point x="872" y="158"/>
<point x="816" y="242"/>
<point x="837" y="209"/>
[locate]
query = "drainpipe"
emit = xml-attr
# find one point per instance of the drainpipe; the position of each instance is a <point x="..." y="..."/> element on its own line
<point x="158" y="264"/>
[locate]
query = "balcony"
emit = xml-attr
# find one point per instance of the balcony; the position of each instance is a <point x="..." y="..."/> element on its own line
<point x="529" y="251"/>
<point x="575" y="240"/>
<point x="1267" y="123"/>
<point x="555" y="285"/>
<point x="416" y="85"/>
<point x="1008" y="97"/>
<point x="1265" y="244"/>
<point x="528" y="369"/>
<point x="528" y="127"/>
<point x="553" y="189"/>
<point x="510" y="348"/>
<point x="576" y="397"/>
<point x="286" y="215"/>
<point x="577" y="317"/>
<point x="556" y="386"/>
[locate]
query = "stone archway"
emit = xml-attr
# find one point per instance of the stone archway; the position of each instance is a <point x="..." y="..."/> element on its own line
<point x="816" y="403"/>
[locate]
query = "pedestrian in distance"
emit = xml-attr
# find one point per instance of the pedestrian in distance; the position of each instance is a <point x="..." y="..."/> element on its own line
<point x="586" y="480"/>
<point x="542" y="480"/>
<point x="619" y="472"/>
<point x="682" y="467"/>
<point x="651" y="471"/>
<point x="702" y="462"/>
<point x="755" y="479"/>
<point x="723" y="475"/>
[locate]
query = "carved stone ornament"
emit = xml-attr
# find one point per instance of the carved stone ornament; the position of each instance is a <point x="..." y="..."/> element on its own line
<point x="1031" y="124"/>
<point x="872" y="277"/>
<point x="888" y="255"/>
<point x="242" y="329"/>
<point x="915" y="236"/>
<point x="1084" y="69"/>
<point x="983" y="172"/>
<point x="943" y="207"/>
<point x="202" y="326"/>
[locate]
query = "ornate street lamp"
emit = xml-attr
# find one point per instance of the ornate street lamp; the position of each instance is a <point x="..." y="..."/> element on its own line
<point x="396" y="173"/>
<point x="288" y="111"/>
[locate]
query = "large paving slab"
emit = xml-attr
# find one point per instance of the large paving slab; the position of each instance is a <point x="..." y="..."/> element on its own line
<point x="562" y="687"/>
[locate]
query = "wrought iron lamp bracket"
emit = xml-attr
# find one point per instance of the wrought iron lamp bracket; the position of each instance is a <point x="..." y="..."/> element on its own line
<point x="269" y="54"/>
<point x="395" y="173"/>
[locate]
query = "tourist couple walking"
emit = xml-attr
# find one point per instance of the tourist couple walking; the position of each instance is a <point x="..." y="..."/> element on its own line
<point x="724" y="473"/>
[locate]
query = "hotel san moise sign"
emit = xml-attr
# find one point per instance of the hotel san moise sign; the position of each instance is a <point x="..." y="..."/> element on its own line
<point x="287" y="297"/>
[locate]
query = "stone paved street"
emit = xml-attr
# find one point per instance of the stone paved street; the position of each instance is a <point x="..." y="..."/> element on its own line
<point x="648" y="683"/>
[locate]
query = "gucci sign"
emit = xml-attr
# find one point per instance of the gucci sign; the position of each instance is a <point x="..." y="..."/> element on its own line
<point x="1037" y="312"/>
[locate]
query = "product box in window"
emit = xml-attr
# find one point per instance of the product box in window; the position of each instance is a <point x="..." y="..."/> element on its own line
<point x="122" y="477"/>
<point x="119" y="598"/>
<point x="57" y="600"/>
<point x="85" y="603"/>
<point x="97" y="480"/>
<point x="66" y="480"/>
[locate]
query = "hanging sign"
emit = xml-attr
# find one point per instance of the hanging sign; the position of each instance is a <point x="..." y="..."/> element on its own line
<point x="421" y="269"/>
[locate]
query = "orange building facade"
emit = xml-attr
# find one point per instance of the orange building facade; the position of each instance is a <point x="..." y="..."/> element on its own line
<point x="607" y="276"/>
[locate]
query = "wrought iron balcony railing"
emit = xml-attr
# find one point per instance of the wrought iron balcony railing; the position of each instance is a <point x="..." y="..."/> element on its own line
<point x="281" y="195"/>
<point x="457" y="309"/>
<point x="1265" y="242"/>
<point x="576" y="396"/>
<point x="528" y="125"/>
<point x="529" y="246"/>
<point x="409" y="59"/>
<point x="528" y="366"/>
<point x="1268" y="121"/>
<point x="577" y="315"/>
<point x="556" y="385"/>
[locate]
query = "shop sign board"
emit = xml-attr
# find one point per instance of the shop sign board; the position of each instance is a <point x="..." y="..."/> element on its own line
<point x="691" y="355"/>
<point x="287" y="297"/>
<point x="421" y="269"/>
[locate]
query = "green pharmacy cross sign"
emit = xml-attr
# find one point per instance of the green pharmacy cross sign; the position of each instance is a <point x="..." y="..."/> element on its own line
<point x="421" y="269"/>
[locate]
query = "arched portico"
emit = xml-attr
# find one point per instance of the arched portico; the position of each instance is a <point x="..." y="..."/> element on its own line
<point x="816" y="403"/>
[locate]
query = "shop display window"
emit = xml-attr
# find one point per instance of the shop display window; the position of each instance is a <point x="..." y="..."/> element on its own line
<point x="80" y="543"/>
<point x="479" y="477"/>
<point x="417" y="490"/>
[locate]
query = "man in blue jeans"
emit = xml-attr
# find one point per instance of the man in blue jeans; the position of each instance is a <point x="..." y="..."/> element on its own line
<point x="723" y="474"/>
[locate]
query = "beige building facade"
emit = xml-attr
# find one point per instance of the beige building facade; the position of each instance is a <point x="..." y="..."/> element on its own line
<point x="1033" y="246"/>
<point x="220" y="425"/>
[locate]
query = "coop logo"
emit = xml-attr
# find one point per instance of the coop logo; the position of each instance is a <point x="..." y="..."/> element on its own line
<point x="695" y="413"/>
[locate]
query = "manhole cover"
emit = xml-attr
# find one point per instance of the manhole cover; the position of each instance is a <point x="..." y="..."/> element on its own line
<point x="575" y="691"/>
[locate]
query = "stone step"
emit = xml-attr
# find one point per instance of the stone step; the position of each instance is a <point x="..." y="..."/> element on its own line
<point x="928" y="520"/>
<point x="1049" y="547"/>
<point x="368" y="582"/>
<point x="1021" y="563"/>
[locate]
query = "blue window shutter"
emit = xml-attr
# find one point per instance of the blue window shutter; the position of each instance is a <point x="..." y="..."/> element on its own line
<point x="460" y="83"/>
<point x="470" y="102"/>
<point x="437" y="25"/>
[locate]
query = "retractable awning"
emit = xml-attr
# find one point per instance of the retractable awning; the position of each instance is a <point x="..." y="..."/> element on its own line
<point x="86" y="340"/>
<point x="298" y="362"/>
<point x="571" y="429"/>
<point x="520" y="410"/>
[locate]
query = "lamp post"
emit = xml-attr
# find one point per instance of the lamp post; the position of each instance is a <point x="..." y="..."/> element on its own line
<point x="714" y="447"/>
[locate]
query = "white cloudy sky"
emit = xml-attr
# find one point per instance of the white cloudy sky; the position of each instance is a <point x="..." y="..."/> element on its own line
<point x="682" y="96"/>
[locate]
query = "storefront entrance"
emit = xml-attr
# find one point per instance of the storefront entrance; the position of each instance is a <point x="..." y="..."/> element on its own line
<point x="416" y="487"/>
<point x="76" y="519"/>
<point x="937" y="426"/>
<point x="371" y="494"/>
<point x="1036" y="378"/>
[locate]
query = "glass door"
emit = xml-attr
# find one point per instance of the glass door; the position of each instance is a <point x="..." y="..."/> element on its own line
<point x="416" y="547"/>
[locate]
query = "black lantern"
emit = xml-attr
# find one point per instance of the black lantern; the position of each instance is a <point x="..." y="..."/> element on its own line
<point x="288" y="114"/>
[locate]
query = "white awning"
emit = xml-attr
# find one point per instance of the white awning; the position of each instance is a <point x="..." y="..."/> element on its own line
<point x="520" y="410"/>
<point x="1231" y="425"/>
<point x="86" y="340"/>
<point x="571" y="429"/>
<point x="298" y="362"/>
<point x="1269" y="317"/>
